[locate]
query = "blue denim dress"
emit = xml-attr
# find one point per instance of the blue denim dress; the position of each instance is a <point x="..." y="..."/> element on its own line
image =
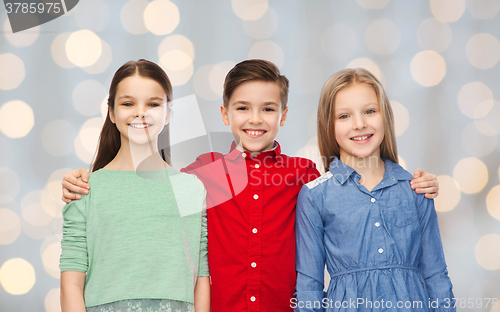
<point x="382" y="248"/>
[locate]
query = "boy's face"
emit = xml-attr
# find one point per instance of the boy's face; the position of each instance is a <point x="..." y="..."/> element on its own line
<point x="255" y="114"/>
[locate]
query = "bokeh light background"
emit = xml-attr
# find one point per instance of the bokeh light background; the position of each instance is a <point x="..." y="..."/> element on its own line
<point x="437" y="59"/>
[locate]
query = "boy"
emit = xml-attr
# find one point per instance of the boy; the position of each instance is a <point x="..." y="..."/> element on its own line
<point x="251" y="193"/>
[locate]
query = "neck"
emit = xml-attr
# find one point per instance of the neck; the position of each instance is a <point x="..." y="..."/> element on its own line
<point x="366" y="166"/>
<point x="133" y="156"/>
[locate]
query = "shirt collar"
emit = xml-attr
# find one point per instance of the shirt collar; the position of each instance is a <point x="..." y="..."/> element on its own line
<point x="275" y="152"/>
<point x="393" y="171"/>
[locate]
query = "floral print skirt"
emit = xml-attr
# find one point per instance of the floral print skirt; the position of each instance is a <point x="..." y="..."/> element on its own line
<point x="144" y="305"/>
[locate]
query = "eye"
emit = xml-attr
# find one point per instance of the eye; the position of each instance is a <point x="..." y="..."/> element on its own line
<point x="128" y="104"/>
<point x="344" y="116"/>
<point x="154" y="105"/>
<point x="241" y="108"/>
<point x="370" y="111"/>
<point x="269" y="109"/>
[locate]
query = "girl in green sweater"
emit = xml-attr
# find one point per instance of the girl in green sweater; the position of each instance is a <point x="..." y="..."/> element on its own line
<point x="138" y="242"/>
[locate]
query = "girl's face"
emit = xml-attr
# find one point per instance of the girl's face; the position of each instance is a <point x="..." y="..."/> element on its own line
<point x="359" y="128"/>
<point x="140" y="111"/>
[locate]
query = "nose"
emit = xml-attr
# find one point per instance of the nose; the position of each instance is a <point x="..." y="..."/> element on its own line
<point x="140" y="112"/>
<point x="359" y="122"/>
<point x="255" y="118"/>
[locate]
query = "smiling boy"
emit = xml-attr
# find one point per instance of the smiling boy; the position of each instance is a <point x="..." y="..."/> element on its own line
<point x="251" y="193"/>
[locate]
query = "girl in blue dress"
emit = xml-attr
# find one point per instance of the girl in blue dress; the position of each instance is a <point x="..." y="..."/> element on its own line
<point x="379" y="239"/>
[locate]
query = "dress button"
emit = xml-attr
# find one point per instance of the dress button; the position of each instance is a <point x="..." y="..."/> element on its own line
<point x="377" y="224"/>
<point x="256" y="197"/>
<point x="257" y="166"/>
<point x="373" y="200"/>
<point x="254" y="230"/>
<point x="380" y="250"/>
<point x="243" y="155"/>
<point x="252" y="298"/>
<point x="253" y="264"/>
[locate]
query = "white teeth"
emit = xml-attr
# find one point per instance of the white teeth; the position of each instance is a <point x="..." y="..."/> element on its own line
<point x="361" y="138"/>
<point x="139" y="126"/>
<point x="255" y="132"/>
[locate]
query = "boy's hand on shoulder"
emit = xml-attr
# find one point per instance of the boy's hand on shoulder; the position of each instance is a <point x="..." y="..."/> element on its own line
<point x="71" y="183"/>
<point x="424" y="182"/>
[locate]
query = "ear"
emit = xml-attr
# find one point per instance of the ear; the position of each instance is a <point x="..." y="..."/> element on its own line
<point x="225" y="116"/>
<point x="111" y="114"/>
<point x="167" y="119"/>
<point x="283" y="117"/>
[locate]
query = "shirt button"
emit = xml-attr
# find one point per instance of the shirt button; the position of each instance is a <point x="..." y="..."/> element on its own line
<point x="377" y="224"/>
<point x="243" y="155"/>
<point x="252" y="298"/>
<point x="257" y="166"/>
<point x="253" y="264"/>
<point x="256" y="197"/>
<point x="254" y="230"/>
<point x="380" y="250"/>
<point x="373" y="200"/>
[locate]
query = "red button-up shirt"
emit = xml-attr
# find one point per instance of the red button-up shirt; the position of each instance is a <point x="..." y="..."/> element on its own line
<point x="251" y="226"/>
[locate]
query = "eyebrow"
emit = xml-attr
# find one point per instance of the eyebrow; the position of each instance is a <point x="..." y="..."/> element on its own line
<point x="131" y="97"/>
<point x="248" y="103"/>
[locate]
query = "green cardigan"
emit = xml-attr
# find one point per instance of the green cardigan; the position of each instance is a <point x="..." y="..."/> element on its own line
<point x="137" y="236"/>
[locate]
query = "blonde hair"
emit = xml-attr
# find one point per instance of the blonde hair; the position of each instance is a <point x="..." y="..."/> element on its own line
<point x="328" y="146"/>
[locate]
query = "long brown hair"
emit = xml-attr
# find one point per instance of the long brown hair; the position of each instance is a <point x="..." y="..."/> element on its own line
<point x="328" y="146"/>
<point x="109" y="140"/>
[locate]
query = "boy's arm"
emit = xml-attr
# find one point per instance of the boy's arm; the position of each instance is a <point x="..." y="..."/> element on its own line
<point x="72" y="283"/>
<point x="71" y="183"/>
<point x="310" y="255"/>
<point x="432" y="263"/>
<point x="202" y="294"/>
<point x="424" y="182"/>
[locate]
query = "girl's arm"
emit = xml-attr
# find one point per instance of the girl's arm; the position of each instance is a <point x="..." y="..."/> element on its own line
<point x="310" y="255"/>
<point x="424" y="182"/>
<point x="202" y="294"/>
<point x="72" y="283"/>
<point x="71" y="183"/>
<point x="432" y="263"/>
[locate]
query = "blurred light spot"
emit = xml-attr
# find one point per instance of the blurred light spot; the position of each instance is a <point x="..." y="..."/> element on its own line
<point x="17" y="276"/>
<point x="448" y="10"/>
<point x="402" y="162"/>
<point x="50" y="257"/>
<point x="201" y="83"/>
<point x="35" y="215"/>
<point x="483" y="9"/>
<point x="53" y="300"/>
<point x="304" y="42"/>
<point x="87" y="139"/>
<point x="51" y="199"/>
<point x="12" y="73"/>
<point x="249" y="10"/>
<point x="103" y="62"/>
<point x="471" y="174"/>
<point x="401" y="117"/>
<point x="132" y="16"/>
<point x="23" y="38"/>
<point x="339" y="42"/>
<point x="83" y="48"/>
<point x="9" y="185"/>
<point x="179" y="66"/>
<point x="176" y="42"/>
<point x="311" y="152"/>
<point x="372" y="4"/>
<point x="449" y="194"/>
<point x="7" y="153"/>
<point x="487" y="252"/>
<point x="367" y="64"/>
<point x="161" y="17"/>
<point x="485" y="127"/>
<point x="218" y="74"/>
<point x="475" y="97"/>
<point x="428" y="68"/>
<point x="383" y="37"/>
<point x="484" y="108"/>
<point x="16" y="119"/>
<point x="10" y="226"/>
<point x="492" y="119"/>
<point x="58" y="137"/>
<point x="483" y="51"/>
<point x="92" y="15"/>
<point x="87" y="97"/>
<point x="493" y="202"/>
<point x="433" y="34"/>
<point x="475" y="143"/>
<point x="264" y="27"/>
<point x="58" y="50"/>
<point x="307" y="76"/>
<point x="268" y="50"/>
<point x="104" y="107"/>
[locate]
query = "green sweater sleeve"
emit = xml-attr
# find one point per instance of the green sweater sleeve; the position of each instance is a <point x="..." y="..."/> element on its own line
<point x="203" y="260"/>
<point x="74" y="242"/>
